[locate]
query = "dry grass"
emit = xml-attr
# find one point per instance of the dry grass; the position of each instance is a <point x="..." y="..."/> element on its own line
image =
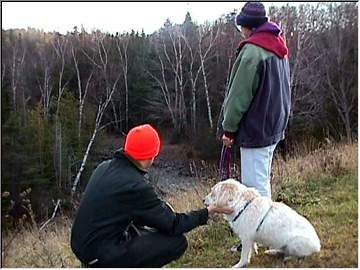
<point x="33" y="248"/>
<point x="185" y="201"/>
<point x="333" y="160"/>
<point x="321" y="185"/>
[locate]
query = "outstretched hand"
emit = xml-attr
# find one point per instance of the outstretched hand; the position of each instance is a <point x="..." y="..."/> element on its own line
<point x="212" y="209"/>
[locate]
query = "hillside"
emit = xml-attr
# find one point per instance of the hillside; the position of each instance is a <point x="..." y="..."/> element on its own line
<point x="321" y="185"/>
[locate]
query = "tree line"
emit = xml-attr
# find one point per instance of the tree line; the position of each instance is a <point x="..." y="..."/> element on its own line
<point x="60" y="91"/>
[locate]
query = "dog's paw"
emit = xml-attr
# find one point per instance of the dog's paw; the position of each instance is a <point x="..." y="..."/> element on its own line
<point x="240" y="265"/>
<point x="255" y="248"/>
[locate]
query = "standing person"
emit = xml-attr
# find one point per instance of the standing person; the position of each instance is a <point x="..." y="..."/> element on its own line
<point x="108" y="228"/>
<point x="257" y="107"/>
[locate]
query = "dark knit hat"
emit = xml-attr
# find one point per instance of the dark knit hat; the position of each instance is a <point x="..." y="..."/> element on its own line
<point x="252" y="15"/>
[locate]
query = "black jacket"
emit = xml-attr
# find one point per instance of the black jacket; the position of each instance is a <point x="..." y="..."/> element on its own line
<point x="116" y="195"/>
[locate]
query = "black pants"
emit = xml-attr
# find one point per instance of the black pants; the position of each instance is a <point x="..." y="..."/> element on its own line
<point x="150" y="250"/>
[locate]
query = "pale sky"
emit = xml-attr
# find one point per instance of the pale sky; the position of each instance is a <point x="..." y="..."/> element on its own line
<point x="110" y="16"/>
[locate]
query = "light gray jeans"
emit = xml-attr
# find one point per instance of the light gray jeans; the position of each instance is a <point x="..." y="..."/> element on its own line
<point x="256" y="168"/>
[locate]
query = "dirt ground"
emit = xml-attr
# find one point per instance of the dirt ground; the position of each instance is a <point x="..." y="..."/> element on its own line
<point x="174" y="171"/>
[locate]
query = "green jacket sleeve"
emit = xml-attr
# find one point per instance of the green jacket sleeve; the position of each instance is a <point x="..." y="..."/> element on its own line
<point x="244" y="80"/>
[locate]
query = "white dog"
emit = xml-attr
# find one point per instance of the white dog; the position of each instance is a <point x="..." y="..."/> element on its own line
<point x="257" y="219"/>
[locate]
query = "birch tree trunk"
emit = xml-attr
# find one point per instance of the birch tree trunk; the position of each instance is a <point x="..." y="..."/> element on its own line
<point x="82" y="93"/>
<point x="165" y="92"/>
<point x="206" y="92"/>
<point x="46" y="91"/>
<point x="100" y="112"/>
<point x="167" y="95"/>
<point x="176" y="66"/>
<point x="203" y="58"/>
<point x="194" y="75"/>
<point x="104" y="66"/>
<point x="86" y="155"/>
<point x="44" y="61"/>
<point x="59" y="45"/>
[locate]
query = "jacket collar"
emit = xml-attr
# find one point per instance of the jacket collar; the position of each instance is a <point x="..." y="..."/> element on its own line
<point x="120" y="154"/>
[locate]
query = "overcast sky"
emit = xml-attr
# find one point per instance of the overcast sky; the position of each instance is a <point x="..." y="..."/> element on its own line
<point x="109" y="16"/>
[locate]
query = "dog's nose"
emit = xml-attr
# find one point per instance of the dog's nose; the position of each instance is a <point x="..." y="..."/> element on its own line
<point x="203" y="200"/>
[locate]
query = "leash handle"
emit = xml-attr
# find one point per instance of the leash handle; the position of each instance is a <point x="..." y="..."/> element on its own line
<point x="225" y="163"/>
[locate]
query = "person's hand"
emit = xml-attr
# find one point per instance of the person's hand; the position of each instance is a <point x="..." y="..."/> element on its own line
<point x="227" y="141"/>
<point x="212" y="209"/>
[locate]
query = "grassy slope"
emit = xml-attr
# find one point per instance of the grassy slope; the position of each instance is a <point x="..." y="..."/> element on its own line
<point x="329" y="203"/>
<point x="321" y="186"/>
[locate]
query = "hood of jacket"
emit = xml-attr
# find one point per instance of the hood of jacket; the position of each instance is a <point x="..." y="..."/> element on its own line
<point x="269" y="37"/>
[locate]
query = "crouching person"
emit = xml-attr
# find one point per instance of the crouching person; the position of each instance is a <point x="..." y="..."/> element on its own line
<point x="117" y="206"/>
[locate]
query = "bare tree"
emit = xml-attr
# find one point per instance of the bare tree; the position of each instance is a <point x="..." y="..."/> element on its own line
<point x="162" y="83"/>
<point x="173" y="95"/>
<point x="176" y="65"/>
<point x="194" y="75"/>
<point x="204" y="55"/>
<point x="304" y="82"/>
<point x="16" y="67"/>
<point x="111" y="77"/>
<point x="82" y="92"/>
<point x="229" y="39"/>
<point x="319" y="38"/>
<point x="44" y="63"/>
<point x="122" y="47"/>
<point x="60" y="47"/>
<point x="340" y="69"/>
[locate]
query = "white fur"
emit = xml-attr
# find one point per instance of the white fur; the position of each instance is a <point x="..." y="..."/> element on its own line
<point x="283" y="229"/>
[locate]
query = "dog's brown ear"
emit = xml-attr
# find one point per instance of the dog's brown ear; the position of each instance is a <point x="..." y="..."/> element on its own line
<point x="250" y="193"/>
<point x="225" y="194"/>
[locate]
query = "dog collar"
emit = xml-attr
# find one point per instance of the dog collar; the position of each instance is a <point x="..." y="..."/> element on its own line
<point x="242" y="210"/>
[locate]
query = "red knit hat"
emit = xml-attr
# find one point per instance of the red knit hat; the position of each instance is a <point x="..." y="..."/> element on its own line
<point x="142" y="142"/>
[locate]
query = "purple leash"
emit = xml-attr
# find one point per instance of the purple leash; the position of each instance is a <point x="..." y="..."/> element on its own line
<point x="225" y="163"/>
